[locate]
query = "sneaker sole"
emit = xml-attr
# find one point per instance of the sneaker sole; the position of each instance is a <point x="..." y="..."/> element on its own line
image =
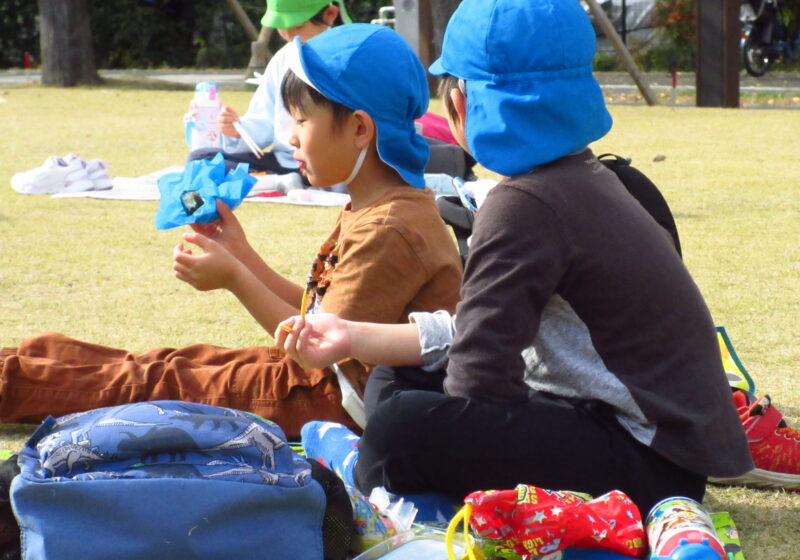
<point x="760" y="478"/>
<point x="78" y="186"/>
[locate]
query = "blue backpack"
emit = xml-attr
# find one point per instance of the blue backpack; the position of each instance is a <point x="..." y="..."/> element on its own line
<point x="165" y="479"/>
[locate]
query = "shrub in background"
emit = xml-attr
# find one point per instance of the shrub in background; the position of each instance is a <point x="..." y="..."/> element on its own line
<point x="154" y="33"/>
<point x="676" y="25"/>
<point x="173" y="33"/>
<point x="604" y="62"/>
<point x="18" y="32"/>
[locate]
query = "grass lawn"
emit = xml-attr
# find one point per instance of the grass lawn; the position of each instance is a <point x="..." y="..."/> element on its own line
<point x="98" y="270"/>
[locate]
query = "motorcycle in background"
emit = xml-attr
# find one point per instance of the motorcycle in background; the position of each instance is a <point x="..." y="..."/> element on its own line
<point x="765" y="36"/>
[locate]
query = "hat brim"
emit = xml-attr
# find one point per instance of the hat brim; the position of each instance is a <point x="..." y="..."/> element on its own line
<point x="286" y="19"/>
<point x="437" y="68"/>
<point x="296" y="63"/>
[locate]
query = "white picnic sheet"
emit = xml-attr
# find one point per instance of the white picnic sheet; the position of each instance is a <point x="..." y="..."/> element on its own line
<point x="146" y="188"/>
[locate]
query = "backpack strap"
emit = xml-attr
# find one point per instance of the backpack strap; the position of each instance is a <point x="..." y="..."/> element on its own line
<point x="644" y="191"/>
<point x="460" y="219"/>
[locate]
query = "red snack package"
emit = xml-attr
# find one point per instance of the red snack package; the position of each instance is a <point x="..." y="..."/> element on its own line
<point x="532" y="521"/>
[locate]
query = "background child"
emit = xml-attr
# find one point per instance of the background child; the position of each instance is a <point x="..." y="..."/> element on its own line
<point x="389" y="254"/>
<point x="267" y="121"/>
<point x="583" y="356"/>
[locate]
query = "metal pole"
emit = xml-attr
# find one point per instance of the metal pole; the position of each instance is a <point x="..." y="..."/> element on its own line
<point x="624" y="22"/>
<point x="622" y="51"/>
<point x="414" y="22"/>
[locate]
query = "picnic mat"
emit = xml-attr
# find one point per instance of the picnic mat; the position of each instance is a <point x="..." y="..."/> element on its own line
<point x="146" y="188"/>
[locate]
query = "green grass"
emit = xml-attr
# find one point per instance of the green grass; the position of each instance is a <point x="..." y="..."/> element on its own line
<point x="98" y="270"/>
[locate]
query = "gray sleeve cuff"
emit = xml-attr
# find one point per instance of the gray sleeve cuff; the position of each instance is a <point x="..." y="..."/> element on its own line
<point x="436" y="332"/>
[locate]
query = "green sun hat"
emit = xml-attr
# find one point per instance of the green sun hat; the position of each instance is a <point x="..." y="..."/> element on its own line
<point x="282" y="14"/>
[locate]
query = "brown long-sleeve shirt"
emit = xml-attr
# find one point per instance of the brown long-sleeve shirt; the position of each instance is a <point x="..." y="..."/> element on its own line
<point x="569" y="232"/>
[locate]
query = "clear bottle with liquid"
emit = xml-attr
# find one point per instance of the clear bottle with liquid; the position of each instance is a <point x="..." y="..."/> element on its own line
<point x="201" y="128"/>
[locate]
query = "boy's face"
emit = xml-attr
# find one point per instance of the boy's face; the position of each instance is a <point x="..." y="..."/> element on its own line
<point x="323" y="152"/>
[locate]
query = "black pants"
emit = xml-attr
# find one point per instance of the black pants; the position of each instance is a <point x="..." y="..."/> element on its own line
<point x="423" y="440"/>
<point x="267" y="163"/>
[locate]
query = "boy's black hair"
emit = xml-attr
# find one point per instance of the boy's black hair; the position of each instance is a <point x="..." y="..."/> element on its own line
<point x="448" y="82"/>
<point x="9" y="528"/>
<point x="297" y="94"/>
<point x="320" y="21"/>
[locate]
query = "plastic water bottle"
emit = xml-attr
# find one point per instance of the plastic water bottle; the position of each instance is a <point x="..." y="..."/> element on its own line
<point x="200" y="121"/>
<point x="680" y="529"/>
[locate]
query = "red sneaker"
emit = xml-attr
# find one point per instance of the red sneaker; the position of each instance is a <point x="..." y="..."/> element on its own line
<point x="775" y="447"/>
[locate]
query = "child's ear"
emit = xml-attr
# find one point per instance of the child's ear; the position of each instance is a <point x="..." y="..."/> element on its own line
<point x="460" y="105"/>
<point x="457" y="121"/>
<point x="364" y="128"/>
<point x="330" y="14"/>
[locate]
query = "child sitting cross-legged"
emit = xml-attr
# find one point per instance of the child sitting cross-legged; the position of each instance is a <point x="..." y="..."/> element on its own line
<point x="583" y="356"/>
<point x="353" y="92"/>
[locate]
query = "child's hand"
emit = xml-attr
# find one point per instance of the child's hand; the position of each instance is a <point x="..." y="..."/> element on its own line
<point x="225" y="119"/>
<point x="214" y="268"/>
<point x="227" y="231"/>
<point x="317" y="341"/>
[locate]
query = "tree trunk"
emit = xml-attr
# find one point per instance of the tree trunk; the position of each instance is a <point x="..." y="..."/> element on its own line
<point x="441" y="10"/>
<point x="66" y="42"/>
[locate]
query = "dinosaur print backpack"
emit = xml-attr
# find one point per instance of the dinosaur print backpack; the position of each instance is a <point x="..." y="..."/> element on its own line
<point x="165" y="480"/>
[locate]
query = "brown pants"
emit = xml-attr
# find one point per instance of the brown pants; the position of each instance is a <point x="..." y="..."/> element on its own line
<point x="52" y="374"/>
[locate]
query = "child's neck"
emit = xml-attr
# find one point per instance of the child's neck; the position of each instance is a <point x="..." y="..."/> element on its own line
<point x="373" y="181"/>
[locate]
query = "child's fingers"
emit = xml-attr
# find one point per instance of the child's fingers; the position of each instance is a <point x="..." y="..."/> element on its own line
<point x="204" y="229"/>
<point x="290" y="345"/>
<point x="179" y="249"/>
<point x="182" y="256"/>
<point x="288" y="334"/>
<point x="224" y="210"/>
<point x="303" y="330"/>
<point x="205" y="243"/>
<point x="227" y="115"/>
<point x="284" y="327"/>
<point x="181" y="272"/>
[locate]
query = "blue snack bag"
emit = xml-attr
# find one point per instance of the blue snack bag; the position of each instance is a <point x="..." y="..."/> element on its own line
<point x="191" y="196"/>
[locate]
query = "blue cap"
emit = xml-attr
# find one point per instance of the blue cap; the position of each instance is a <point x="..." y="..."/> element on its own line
<point x="527" y="64"/>
<point x="371" y="68"/>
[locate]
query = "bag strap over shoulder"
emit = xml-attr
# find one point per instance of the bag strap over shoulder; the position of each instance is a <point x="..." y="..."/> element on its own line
<point x="644" y="191"/>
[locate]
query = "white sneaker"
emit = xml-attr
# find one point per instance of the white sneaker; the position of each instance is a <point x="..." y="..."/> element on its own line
<point x="97" y="170"/>
<point x="54" y="176"/>
<point x="272" y="182"/>
<point x="289" y="182"/>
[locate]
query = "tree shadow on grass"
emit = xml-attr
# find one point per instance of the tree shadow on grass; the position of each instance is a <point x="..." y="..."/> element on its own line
<point x="141" y="83"/>
<point x="118" y="83"/>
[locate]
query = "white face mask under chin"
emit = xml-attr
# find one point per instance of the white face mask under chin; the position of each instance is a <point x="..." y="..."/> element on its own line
<point x="357" y="166"/>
